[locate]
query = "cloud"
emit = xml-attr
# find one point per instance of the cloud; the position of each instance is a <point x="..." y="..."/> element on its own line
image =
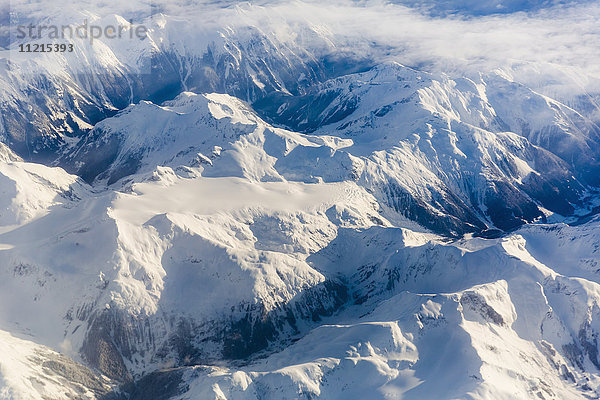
<point x="547" y="44"/>
<point x="555" y="49"/>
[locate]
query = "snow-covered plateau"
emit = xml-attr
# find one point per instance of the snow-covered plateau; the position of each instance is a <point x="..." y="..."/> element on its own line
<point x="272" y="205"/>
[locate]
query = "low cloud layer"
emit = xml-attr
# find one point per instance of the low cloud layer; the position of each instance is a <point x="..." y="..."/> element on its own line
<point x="547" y="44"/>
<point x="544" y="47"/>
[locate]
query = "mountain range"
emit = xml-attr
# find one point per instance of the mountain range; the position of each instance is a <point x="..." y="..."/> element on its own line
<point x="262" y="207"/>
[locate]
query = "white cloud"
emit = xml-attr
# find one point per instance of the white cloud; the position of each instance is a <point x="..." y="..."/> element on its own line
<point x="544" y="48"/>
<point x="555" y="49"/>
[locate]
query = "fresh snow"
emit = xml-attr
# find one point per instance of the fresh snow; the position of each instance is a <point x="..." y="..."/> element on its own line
<point x="279" y="215"/>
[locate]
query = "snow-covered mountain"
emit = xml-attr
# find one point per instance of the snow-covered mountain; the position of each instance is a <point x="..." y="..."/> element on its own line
<point x="260" y="208"/>
<point x="49" y="100"/>
<point x="491" y="146"/>
<point x="372" y="127"/>
<point x="189" y="274"/>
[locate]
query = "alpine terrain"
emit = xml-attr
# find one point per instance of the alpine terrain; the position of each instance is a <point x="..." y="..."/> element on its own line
<point x="300" y="200"/>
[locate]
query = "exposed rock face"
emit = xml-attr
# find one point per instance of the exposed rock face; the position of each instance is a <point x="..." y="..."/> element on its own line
<point x="247" y="212"/>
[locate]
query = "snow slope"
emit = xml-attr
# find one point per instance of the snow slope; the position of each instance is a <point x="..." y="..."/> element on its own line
<point x="167" y="269"/>
<point x="433" y="151"/>
<point x="473" y="319"/>
<point x="30" y="371"/>
<point x="252" y="208"/>
<point x="127" y="262"/>
<point x="485" y="151"/>
<point x="50" y="100"/>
